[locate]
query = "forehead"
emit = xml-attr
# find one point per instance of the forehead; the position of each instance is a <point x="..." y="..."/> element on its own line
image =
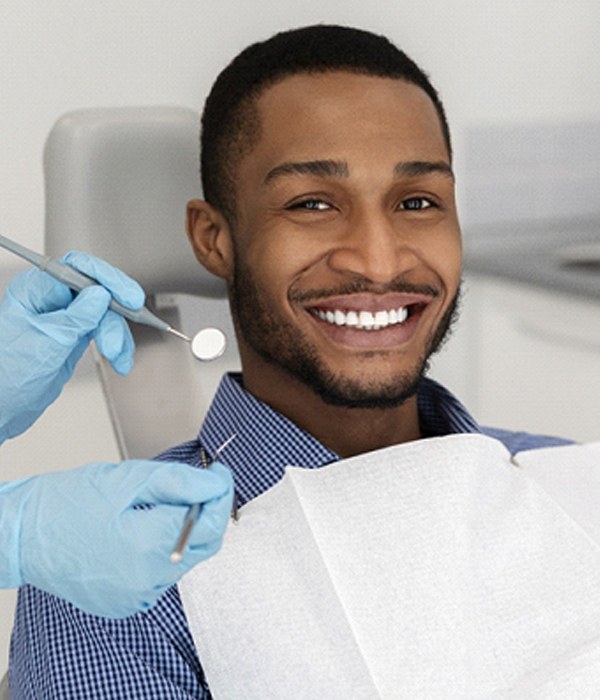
<point x="310" y="114"/>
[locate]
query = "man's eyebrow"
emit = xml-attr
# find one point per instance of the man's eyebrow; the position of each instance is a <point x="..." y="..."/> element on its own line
<point x="415" y="168"/>
<point x="328" y="168"/>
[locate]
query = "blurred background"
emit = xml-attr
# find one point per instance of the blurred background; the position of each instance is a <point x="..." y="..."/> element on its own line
<point x="521" y="86"/>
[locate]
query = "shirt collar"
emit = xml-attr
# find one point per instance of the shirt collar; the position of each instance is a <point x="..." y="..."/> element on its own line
<point x="266" y="441"/>
<point x="441" y="413"/>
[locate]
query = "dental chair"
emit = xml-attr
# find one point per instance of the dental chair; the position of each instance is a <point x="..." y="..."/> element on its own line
<point x="117" y="182"/>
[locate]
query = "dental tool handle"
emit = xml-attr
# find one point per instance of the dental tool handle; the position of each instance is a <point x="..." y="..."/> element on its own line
<point x="21" y="251"/>
<point x="77" y="281"/>
<point x="186" y="531"/>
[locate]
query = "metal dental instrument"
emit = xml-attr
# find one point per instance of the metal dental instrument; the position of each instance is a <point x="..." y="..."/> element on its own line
<point x="194" y="511"/>
<point x="208" y="344"/>
<point x="77" y="281"/>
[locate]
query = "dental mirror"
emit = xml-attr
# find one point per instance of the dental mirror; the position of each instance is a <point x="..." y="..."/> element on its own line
<point x="208" y="344"/>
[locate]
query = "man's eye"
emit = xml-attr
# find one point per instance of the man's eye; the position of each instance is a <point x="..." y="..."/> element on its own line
<point x="416" y="203"/>
<point x="311" y="205"/>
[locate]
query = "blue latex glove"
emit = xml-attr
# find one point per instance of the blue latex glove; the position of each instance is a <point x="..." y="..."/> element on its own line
<point x="76" y="534"/>
<point x="45" y="328"/>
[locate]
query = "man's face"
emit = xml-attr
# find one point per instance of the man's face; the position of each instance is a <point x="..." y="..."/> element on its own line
<point x="347" y="247"/>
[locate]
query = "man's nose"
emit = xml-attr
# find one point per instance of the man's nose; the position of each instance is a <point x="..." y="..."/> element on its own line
<point x="374" y="246"/>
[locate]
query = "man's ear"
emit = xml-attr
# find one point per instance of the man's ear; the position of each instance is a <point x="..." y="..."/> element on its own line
<point x="210" y="237"/>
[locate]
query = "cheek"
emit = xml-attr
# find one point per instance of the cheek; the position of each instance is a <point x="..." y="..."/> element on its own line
<point x="450" y="259"/>
<point x="444" y="256"/>
<point x="280" y="263"/>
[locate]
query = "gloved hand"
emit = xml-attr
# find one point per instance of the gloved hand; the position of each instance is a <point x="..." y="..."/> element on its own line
<point x="77" y="534"/>
<point x="45" y="328"/>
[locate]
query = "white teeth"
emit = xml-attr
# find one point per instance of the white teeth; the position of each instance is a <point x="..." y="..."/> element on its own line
<point x="364" y="320"/>
<point x="352" y="318"/>
<point x="382" y="318"/>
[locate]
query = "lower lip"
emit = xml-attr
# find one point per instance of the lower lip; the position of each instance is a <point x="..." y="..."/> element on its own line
<point x="382" y="339"/>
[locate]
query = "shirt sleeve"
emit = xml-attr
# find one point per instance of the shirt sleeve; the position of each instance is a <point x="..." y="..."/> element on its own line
<point x="58" y="651"/>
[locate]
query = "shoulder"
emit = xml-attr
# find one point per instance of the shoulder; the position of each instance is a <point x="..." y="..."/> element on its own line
<point x="519" y="441"/>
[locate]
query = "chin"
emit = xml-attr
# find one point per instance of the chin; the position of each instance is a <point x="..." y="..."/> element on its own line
<point x="361" y="393"/>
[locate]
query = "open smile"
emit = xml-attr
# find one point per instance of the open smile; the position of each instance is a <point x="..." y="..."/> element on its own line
<point x="363" y="320"/>
<point x="369" y="323"/>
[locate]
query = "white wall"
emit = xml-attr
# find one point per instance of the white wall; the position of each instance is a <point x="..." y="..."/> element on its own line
<point x="493" y="61"/>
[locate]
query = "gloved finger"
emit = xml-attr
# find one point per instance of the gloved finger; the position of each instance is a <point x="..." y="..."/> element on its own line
<point x="70" y="362"/>
<point x="166" y="523"/>
<point x="180" y="484"/>
<point x="37" y="292"/>
<point x="83" y="315"/>
<point x="222" y="470"/>
<point x="122" y="287"/>
<point x="195" y="554"/>
<point x="114" y="340"/>
<point x="153" y="532"/>
<point x="212" y="522"/>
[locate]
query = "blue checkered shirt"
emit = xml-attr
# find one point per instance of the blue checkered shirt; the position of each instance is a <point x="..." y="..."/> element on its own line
<point x="59" y="652"/>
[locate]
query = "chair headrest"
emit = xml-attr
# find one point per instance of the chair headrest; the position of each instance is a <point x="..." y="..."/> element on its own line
<point x="117" y="182"/>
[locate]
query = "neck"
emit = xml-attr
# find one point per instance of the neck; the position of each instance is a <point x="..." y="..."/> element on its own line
<point x="345" y="431"/>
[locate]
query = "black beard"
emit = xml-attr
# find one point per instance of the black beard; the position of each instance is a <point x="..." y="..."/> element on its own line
<point x="277" y="341"/>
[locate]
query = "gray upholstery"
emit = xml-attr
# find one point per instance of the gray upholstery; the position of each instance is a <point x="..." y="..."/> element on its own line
<point x="117" y="182"/>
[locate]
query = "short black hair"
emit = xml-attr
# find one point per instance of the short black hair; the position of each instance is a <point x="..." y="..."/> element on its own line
<point x="230" y="124"/>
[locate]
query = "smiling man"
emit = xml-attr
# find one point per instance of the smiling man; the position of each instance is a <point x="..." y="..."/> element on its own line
<point x="343" y="254"/>
<point x="330" y="212"/>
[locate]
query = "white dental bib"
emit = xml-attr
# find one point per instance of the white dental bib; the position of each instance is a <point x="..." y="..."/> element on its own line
<point x="434" y="569"/>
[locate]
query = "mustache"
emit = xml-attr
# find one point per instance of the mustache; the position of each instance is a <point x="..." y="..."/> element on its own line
<point x="360" y="286"/>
